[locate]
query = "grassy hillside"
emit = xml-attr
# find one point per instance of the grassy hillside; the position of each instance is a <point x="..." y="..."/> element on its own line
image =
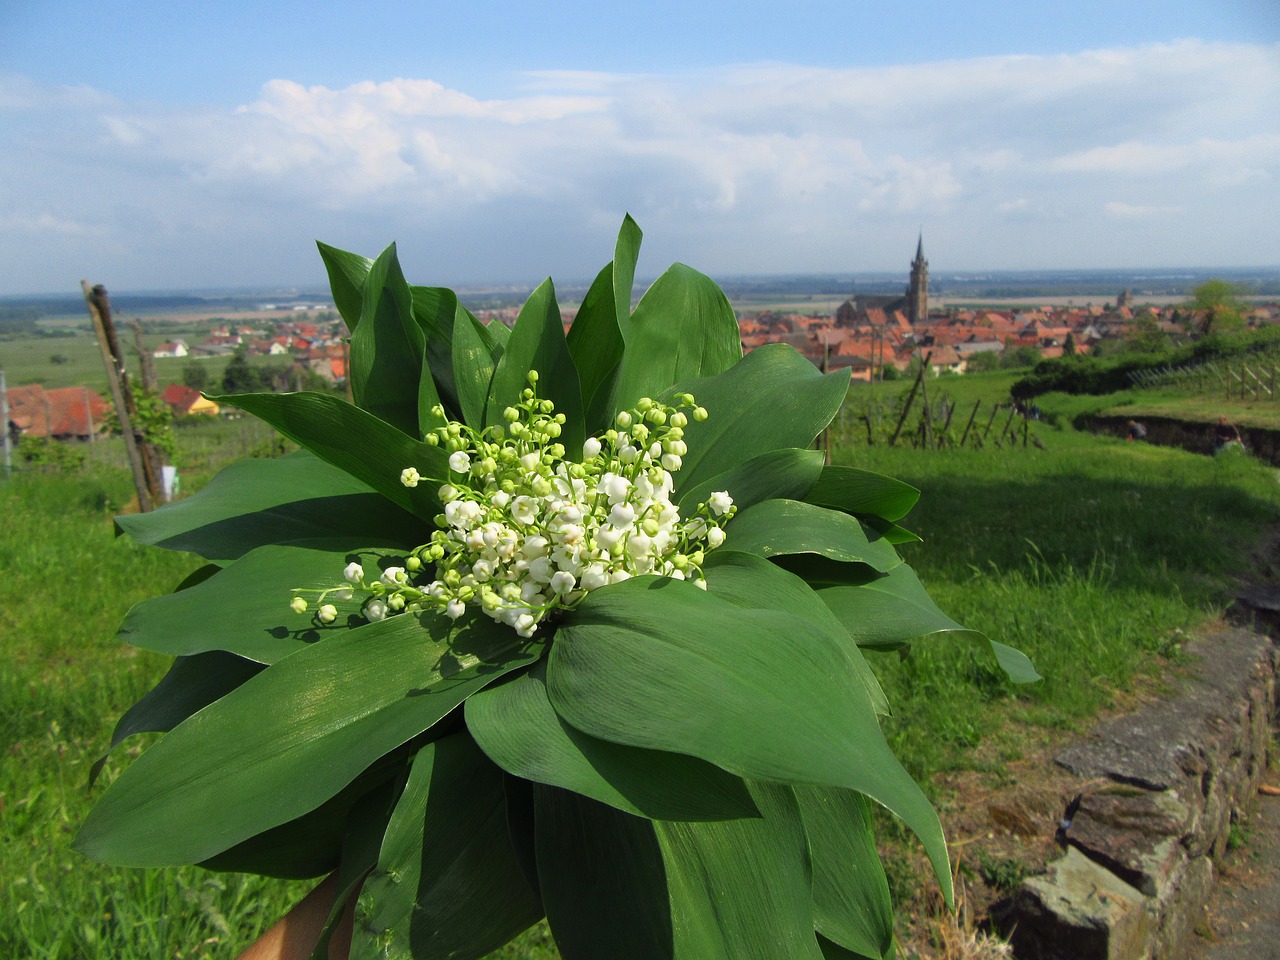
<point x="1090" y="554"/>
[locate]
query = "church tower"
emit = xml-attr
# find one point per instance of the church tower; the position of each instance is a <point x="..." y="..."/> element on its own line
<point x="918" y="289"/>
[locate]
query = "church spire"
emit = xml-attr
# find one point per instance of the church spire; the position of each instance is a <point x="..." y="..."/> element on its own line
<point x="918" y="289"/>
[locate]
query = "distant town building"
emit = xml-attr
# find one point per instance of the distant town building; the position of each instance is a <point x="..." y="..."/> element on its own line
<point x="918" y="288"/>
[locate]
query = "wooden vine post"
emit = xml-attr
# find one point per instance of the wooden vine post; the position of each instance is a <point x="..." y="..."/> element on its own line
<point x="143" y="462"/>
<point x="911" y="397"/>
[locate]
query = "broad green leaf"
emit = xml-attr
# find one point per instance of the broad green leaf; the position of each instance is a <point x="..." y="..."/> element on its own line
<point x="256" y="502"/>
<point x="604" y="885"/>
<point x="742" y="887"/>
<point x="355" y="441"/>
<point x="293" y="736"/>
<point x="499" y="335"/>
<point x="191" y="684"/>
<point x="891" y="532"/>
<point x="863" y="492"/>
<point x="682" y="328"/>
<point x="851" y="903"/>
<point x="752" y="582"/>
<point x="473" y="366"/>
<point x="774" y="398"/>
<point x="596" y="336"/>
<point x="784" y="474"/>
<point x="640" y="663"/>
<point x="347" y="275"/>
<point x="366" y="825"/>
<point x="447" y="883"/>
<point x="887" y="613"/>
<point x="516" y="726"/>
<point x="244" y="609"/>
<point x="622" y="887"/>
<point x="311" y="845"/>
<point x="778" y="527"/>
<point x="538" y="343"/>
<point x="434" y="310"/>
<point x="388" y="348"/>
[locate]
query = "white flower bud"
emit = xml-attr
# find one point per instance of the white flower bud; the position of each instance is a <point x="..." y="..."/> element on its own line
<point x="327" y="613"/>
<point x="715" y="537"/>
<point x="720" y="502"/>
<point x="354" y="572"/>
<point x="459" y="462"/>
<point x="394" y="577"/>
<point x="375" y="610"/>
<point x="590" y="448"/>
<point x="410" y="477"/>
<point x="298" y="605"/>
<point x="562" y="582"/>
<point x="454" y="609"/>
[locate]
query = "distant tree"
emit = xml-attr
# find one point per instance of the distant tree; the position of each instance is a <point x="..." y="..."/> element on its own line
<point x="1069" y="345"/>
<point x="1013" y="357"/>
<point x="195" y="376"/>
<point x="889" y="372"/>
<point x="239" y="377"/>
<point x="1217" y="307"/>
<point x="1145" y="335"/>
<point x="58" y="359"/>
<point x="983" y="362"/>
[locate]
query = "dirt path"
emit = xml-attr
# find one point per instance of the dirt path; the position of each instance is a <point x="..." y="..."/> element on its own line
<point x="1244" y="911"/>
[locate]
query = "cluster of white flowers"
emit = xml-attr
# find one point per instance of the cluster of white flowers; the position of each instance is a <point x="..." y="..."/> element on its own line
<point x="526" y="532"/>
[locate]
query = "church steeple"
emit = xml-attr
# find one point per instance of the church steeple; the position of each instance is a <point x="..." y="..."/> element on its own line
<point x="918" y="289"/>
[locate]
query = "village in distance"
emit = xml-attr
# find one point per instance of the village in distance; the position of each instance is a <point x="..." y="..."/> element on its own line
<point x="875" y="326"/>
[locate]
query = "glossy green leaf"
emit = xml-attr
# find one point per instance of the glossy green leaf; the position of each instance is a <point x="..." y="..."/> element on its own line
<point x="434" y="310"/>
<point x="683" y="328"/>
<point x="786" y="474"/>
<point x="640" y="662"/>
<point x="851" y="903"/>
<point x="387" y="348"/>
<point x="752" y="582"/>
<point x="741" y="888"/>
<point x="863" y="492"/>
<point x="252" y="503"/>
<point x="311" y="845"/>
<point x="778" y="527"/>
<point x="538" y="343"/>
<point x="347" y="275"/>
<point x="191" y="684"/>
<point x="891" y="532"/>
<point x="595" y="338"/>
<point x="621" y="887"/>
<point x="244" y="609"/>
<point x="473" y="366"/>
<point x="897" y="609"/>
<point x="447" y="883"/>
<point x="293" y="736"/>
<point x="774" y="398"/>
<point x="516" y="726"/>
<point x="366" y="826"/>
<point x="603" y="880"/>
<point x="356" y="441"/>
<point x="887" y="613"/>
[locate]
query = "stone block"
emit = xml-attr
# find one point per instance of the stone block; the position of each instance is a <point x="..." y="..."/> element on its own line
<point x="1078" y="910"/>
<point x="1136" y="834"/>
<point x="1183" y="910"/>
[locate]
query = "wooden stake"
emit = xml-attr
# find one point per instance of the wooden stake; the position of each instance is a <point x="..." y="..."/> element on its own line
<point x="910" y="399"/>
<point x="118" y="380"/>
<point x="965" y="435"/>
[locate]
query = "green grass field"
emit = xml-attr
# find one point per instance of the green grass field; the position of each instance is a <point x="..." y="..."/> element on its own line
<point x="1092" y="555"/>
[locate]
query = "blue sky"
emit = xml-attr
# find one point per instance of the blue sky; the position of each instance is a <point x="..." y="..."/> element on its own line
<point x="153" y="145"/>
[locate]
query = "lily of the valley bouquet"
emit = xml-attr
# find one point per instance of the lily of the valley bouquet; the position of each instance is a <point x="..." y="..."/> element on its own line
<point x="542" y="625"/>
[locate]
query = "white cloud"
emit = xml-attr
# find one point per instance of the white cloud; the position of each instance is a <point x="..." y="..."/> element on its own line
<point x="1121" y="210"/>
<point x="760" y="167"/>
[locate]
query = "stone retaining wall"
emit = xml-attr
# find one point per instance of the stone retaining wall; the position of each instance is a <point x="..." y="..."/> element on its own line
<point x="1195" y="437"/>
<point x="1166" y="784"/>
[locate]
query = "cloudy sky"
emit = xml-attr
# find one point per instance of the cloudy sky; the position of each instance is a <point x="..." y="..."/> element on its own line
<point x="162" y="145"/>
